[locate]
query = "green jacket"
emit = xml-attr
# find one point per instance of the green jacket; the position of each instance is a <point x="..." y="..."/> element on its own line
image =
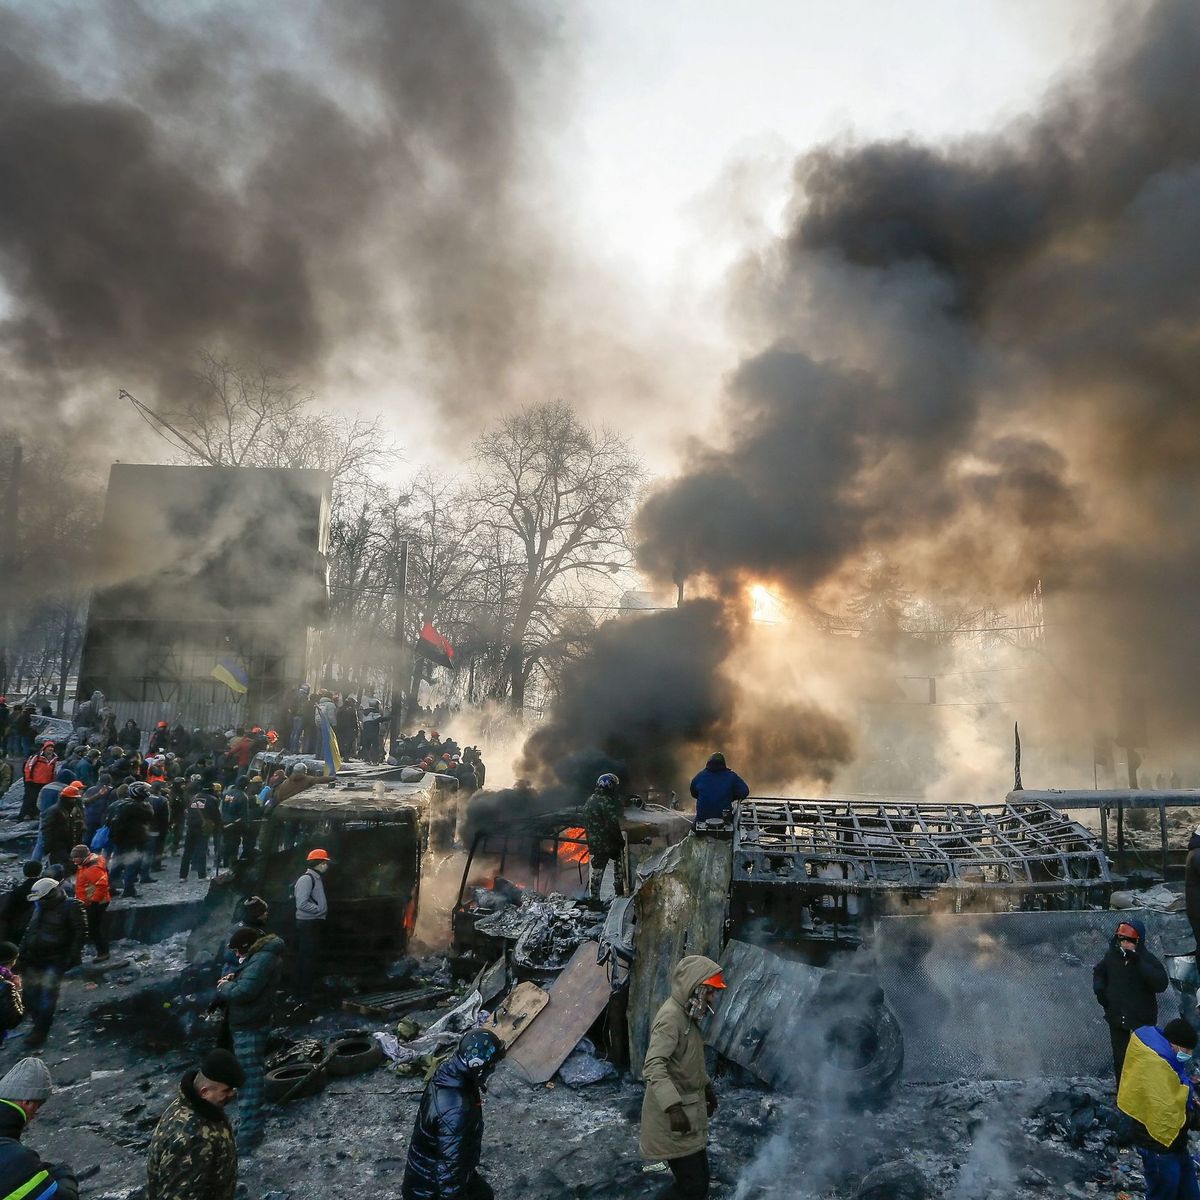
<point x="192" y="1152"/>
<point x="602" y="819"/>
<point x="674" y="1068"/>
<point x="250" y="994"/>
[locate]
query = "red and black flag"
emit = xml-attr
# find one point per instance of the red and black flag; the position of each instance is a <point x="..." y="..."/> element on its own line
<point x="433" y="646"/>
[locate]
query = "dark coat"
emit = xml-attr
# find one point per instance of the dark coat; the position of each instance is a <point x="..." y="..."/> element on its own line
<point x="16" y="908"/>
<point x="55" y="934"/>
<point x="715" y="789"/>
<point x="192" y="1153"/>
<point x="447" y="1138"/>
<point x="19" y="1164"/>
<point x="250" y="994"/>
<point x="1127" y="986"/>
<point x="62" y="830"/>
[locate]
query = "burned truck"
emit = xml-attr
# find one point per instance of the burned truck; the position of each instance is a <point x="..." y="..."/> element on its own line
<point x="524" y="883"/>
<point x="374" y="832"/>
<point x="817" y="874"/>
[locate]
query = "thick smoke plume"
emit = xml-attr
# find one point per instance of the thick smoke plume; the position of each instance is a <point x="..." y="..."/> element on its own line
<point x="658" y="693"/>
<point x="293" y="184"/>
<point x="980" y="361"/>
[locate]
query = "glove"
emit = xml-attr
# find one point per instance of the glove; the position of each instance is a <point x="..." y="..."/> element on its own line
<point x="710" y="1098"/>
<point x="678" y="1119"/>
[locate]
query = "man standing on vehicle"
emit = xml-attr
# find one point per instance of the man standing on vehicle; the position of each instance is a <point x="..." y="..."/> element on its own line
<point x="312" y="909"/>
<point x="602" y="820"/>
<point x="716" y="789"/>
<point x="679" y="1098"/>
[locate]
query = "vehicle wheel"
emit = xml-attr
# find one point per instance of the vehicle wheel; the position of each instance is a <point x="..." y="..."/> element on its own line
<point x="353" y="1055"/>
<point x="293" y="1081"/>
<point x="864" y="1048"/>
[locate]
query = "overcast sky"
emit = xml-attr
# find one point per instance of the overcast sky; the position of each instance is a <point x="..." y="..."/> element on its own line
<point x="671" y="92"/>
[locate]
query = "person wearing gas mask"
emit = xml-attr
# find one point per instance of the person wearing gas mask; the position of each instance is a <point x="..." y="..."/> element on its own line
<point x="1158" y="1093"/>
<point x="443" y="1152"/>
<point x="1127" y="981"/>
<point x="679" y="1098"/>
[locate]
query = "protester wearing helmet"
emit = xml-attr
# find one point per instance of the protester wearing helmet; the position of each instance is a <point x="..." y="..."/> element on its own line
<point x="680" y="1099"/>
<point x="312" y="909"/>
<point x="447" y="1137"/>
<point x="602" y="820"/>
<point x="1127" y="981"/>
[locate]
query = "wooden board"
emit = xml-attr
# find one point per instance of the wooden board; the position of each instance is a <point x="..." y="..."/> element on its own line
<point x="577" y="997"/>
<point x="382" y="1004"/>
<point x="512" y="1018"/>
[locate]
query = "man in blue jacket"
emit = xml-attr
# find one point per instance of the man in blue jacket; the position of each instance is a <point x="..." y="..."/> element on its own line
<point x="22" y="1173"/>
<point x="444" y="1150"/>
<point x="716" y="789"/>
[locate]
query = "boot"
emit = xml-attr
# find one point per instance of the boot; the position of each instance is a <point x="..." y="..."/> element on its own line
<point x="129" y="894"/>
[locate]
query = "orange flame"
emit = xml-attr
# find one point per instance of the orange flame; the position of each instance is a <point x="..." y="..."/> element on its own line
<point x="574" y="851"/>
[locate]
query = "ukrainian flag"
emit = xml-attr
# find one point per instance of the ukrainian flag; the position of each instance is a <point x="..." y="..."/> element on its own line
<point x="330" y="750"/>
<point x="229" y="672"/>
<point x="1154" y="1089"/>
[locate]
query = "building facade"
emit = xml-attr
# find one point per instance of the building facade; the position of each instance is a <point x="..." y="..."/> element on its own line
<point x="211" y="585"/>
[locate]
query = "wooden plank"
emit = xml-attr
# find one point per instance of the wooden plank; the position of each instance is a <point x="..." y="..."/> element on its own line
<point x="385" y="1004"/>
<point x="513" y="1016"/>
<point x="577" y="997"/>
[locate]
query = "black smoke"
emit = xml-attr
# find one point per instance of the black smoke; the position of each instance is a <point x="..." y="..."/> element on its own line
<point x="280" y="183"/>
<point x="980" y="360"/>
<point x="653" y="700"/>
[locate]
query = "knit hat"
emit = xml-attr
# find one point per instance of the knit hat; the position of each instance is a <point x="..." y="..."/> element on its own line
<point x="28" y="1080"/>
<point x="40" y="891"/>
<point x="1179" y="1033"/>
<point x="221" y="1067"/>
<point x="242" y="939"/>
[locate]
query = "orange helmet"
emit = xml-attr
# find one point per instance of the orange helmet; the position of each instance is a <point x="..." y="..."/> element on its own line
<point x="319" y="856"/>
<point x="715" y="981"/>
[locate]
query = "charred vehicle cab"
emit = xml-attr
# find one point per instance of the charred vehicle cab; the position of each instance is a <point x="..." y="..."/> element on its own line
<point x="373" y="830"/>
<point x="524" y="886"/>
<point x="816" y="874"/>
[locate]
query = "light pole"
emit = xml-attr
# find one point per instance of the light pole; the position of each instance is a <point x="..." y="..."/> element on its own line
<point x="400" y="648"/>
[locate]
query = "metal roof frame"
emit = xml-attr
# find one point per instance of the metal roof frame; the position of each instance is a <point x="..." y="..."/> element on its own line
<point x="857" y="846"/>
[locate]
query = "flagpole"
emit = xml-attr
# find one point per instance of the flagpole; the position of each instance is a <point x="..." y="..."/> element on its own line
<point x="398" y="672"/>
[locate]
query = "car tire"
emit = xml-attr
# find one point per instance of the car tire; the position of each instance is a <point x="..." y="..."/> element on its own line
<point x="292" y="1082"/>
<point x="354" y="1055"/>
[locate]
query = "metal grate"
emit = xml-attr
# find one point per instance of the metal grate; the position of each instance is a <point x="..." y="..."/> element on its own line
<point x="856" y="846"/>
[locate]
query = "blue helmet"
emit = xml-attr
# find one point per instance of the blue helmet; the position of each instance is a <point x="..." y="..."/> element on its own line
<point x="608" y="782"/>
<point x="481" y="1050"/>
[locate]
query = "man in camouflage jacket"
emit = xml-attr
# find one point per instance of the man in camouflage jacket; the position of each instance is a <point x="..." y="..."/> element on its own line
<point x="192" y="1152"/>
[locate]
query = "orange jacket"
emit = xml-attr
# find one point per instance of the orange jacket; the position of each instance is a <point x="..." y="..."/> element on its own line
<point x="91" y="881"/>
<point x="39" y="769"/>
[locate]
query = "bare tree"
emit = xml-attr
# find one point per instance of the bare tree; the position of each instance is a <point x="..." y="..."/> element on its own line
<point x="250" y="416"/>
<point x="558" y="496"/>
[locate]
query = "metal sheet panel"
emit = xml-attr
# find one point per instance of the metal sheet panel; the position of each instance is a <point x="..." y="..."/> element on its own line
<point x="1007" y="995"/>
<point x="759" y="1018"/>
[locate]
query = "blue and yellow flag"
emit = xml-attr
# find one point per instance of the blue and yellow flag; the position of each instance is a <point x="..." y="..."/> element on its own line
<point x="230" y="672"/>
<point x="1153" y="1088"/>
<point x="330" y="750"/>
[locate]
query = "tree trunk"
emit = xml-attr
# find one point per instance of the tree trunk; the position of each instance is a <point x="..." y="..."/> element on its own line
<point x="64" y="663"/>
